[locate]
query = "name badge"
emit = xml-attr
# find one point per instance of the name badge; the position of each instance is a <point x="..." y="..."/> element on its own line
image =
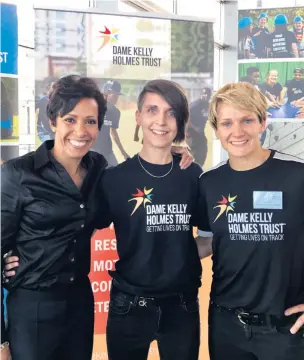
<point x="268" y="200"/>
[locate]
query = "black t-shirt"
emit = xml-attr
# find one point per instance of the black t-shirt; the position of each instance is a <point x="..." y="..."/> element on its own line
<point x="274" y="91"/>
<point x="199" y="114"/>
<point x="153" y="224"/>
<point x="260" y="40"/>
<point x="103" y="143"/>
<point x="295" y="89"/>
<point x="280" y="43"/>
<point x="256" y="218"/>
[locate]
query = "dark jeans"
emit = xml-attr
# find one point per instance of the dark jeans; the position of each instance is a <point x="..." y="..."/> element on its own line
<point x="230" y="339"/>
<point x="57" y="325"/>
<point x="135" y="322"/>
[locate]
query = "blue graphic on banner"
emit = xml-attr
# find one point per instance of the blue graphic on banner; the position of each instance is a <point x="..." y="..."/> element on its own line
<point x="4" y="303"/>
<point x="9" y="39"/>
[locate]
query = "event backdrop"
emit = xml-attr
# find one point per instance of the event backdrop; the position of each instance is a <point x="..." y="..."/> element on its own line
<point x="270" y="48"/>
<point x="9" y="73"/>
<point x="122" y="53"/>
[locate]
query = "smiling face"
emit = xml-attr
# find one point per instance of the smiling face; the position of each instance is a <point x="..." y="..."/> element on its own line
<point x="112" y="97"/>
<point x="272" y="77"/>
<point x="255" y="77"/>
<point x="298" y="25"/>
<point x="158" y="121"/>
<point x="262" y="22"/>
<point x="298" y="76"/>
<point x="239" y="131"/>
<point x="76" y="131"/>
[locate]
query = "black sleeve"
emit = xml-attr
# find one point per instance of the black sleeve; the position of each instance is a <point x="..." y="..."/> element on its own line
<point x="292" y="38"/>
<point x="10" y="218"/>
<point x="11" y="206"/>
<point x="116" y="119"/>
<point x="103" y="216"/>
<point x="197" y="172"/>
<point x="203" y="225"/>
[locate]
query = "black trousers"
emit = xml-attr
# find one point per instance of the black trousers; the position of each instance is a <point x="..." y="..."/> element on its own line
<point x="230" y="339"/>
<point x="51" y="325"/>
<point x="134" y="322"/>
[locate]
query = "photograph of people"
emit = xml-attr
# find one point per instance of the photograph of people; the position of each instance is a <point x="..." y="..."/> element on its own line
<point x="272" y="89"/>
<point x="196" y="137"/>
<point x="293" y="90"/>
<point x="108" y="132"/>
<point x="260" y="36"/>
<point x="282" y="42"/>
<point x="257" y="298"/>
<point x="275" y="32"/>
<point x="246" y="48"/>
<point x="298" y="30"/>
<point x="281" y="82"/>
<point x="252" y="76"/>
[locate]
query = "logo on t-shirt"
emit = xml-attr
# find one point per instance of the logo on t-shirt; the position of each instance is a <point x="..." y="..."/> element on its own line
<point x="160" y="217"/>
<point x="141" y="198"/>
<point x="255" y="225"/>
<point x="296" y="91"/>
<point x="107" y="123"/>
<point x="225" y="205"/>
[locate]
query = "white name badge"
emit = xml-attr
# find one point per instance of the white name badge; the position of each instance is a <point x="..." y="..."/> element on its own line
<point x="268" y="200"/>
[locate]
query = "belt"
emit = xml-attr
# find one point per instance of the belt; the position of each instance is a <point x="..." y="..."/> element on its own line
<point x="169" y="300"/>
<point x="173" y="299"/>
<point x="248" y="318"/>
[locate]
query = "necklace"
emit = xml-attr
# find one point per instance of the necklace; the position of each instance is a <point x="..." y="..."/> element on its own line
<point x="155" y="176"/>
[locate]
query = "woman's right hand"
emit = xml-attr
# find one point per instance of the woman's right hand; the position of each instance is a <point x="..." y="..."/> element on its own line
<point x="11" y="262"/>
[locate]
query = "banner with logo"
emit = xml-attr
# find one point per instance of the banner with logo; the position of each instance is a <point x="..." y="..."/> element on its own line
<point x="121" y="54"/>
<point x="9" y="73"/>
<point x="271" y="57"/>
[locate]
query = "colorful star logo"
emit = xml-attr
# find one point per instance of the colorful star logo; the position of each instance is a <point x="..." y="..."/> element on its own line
<point x="225" y="205"/>
<point x="108" y="36"/>
<point x="141" y="197"/>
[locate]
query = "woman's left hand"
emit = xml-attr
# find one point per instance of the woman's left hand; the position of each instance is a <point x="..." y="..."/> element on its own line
<point x="187" y="158"/>
<point x="300" y="322"/>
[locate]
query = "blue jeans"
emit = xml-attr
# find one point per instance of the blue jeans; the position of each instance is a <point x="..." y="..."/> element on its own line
<point x="134" y="322"/>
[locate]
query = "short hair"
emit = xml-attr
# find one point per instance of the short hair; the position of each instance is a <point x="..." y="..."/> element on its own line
<point x="68" y="91"/>
<point x="243" y="96"/>
<point x="175" y="96"/>
<point x="252" y="69"/>
<point x="271" y="71"/>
